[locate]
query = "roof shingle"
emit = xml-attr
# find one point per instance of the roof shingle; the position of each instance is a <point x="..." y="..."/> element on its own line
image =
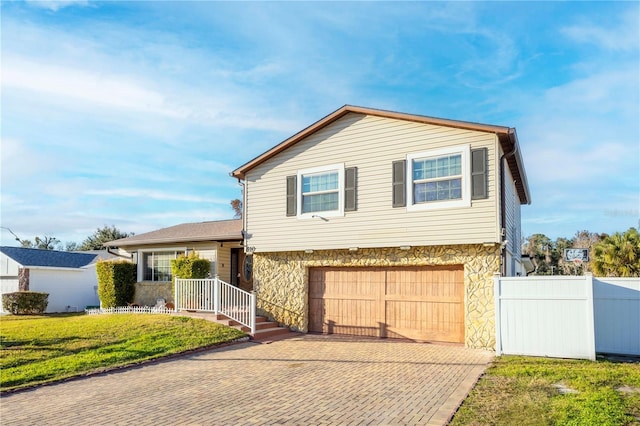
<point x="30" y="257"/>
<point x="220" y="230"/>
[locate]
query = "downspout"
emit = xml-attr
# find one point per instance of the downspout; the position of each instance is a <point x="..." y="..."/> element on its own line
<point x="503" y="219"/>
<point x="244" y="216"/>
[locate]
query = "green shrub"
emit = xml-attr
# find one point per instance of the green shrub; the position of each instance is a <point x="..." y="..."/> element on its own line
<point x="25" y="302"/>
<point x="190" y="267"/>
<point x="116" y="283"/>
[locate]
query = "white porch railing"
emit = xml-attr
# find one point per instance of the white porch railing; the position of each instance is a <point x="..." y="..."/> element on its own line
<point x="217" y="296"/>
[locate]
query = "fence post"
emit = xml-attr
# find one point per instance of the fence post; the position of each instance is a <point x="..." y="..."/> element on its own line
<point x="216" y="295"/>
<point x="252" y="312"/>
<point x="497" y="307"/>
<point x="591" y="325"/>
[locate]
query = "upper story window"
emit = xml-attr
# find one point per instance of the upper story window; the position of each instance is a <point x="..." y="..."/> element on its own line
<point x="320" y="191"/>
<point x="438" y="179"/>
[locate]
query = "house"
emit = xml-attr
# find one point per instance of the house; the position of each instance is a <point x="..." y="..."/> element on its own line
<point x="69" y="277"/>
<point x="379" y="223"/>
<point x="218" y="241"/>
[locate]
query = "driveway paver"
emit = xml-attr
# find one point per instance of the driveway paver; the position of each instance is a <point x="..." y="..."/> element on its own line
<point x="306" y="380"/>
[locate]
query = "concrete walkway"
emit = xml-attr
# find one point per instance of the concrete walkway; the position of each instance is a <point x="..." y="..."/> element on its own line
<point x="305" y="380"/>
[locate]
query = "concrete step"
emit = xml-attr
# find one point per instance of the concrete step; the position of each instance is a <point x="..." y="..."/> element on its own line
<point x="272" y="333"/>
<point x="260" y="326"/>
<point x="222" y="317"/>
<point x="264" y="329"/>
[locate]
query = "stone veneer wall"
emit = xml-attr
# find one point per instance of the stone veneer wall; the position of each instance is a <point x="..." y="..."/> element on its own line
<point x="281" y="281"/>
<point x="148" y="292"/>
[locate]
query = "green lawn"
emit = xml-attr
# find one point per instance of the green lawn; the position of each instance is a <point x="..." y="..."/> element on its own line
<point x="526" y="391"/>
<point x="46" y="348"/>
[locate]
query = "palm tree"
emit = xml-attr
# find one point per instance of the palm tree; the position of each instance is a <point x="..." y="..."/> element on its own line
<point x="618" y="255"/>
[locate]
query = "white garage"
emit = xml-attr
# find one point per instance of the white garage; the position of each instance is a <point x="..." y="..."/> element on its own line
<point x="69" y="277"/>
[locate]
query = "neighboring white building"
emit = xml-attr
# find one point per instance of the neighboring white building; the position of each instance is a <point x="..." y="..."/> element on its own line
<point x="69" y="277"/>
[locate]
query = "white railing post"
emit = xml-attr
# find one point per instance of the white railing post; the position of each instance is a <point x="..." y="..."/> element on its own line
<point x="176" y="292"/>
<point x="252" y="312"/>
<point x="216" y="295"/>
<point x="497" y="289"/>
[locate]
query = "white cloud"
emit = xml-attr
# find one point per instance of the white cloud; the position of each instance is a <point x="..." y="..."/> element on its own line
<point x="20" y="162"/>
<point x="84" y="85"/>
<point x="617" y="36"/>
<point x="145" y="193"/>
<point x="585" y="130"/>
<point x="56" y="5"/>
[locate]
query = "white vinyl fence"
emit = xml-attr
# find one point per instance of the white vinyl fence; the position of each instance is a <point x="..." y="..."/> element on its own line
<point x="617" y="315"/>
<point x="567" y="316"/>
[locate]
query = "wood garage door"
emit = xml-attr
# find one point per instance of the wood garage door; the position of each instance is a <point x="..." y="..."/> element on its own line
<point x="422" y="303"/>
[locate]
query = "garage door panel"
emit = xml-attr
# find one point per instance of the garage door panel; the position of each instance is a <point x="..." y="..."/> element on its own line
<point x="349" y="317"/>
<point x="423" y="303"/>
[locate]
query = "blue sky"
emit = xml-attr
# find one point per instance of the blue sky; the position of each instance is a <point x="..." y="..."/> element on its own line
<point x="133" y="113"/>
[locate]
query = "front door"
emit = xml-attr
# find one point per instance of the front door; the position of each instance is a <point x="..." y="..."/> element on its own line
<point x="235" y="266"/>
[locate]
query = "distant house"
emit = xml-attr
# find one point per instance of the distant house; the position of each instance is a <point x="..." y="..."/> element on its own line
<point x="218" y="241"/>
<point x="380" y="223"/>
<point x="69" y="277"/>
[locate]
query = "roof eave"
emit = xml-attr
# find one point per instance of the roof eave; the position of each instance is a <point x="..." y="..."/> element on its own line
<point x="240" y="172"/>
<point x="221" y="238"/>
<point x="509" y="141"/>
<point x="506" y="135"/>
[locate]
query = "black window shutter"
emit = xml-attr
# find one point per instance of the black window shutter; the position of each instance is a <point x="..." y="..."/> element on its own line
<point x="350" y="185"/>
<point x="291" y="195"/>
<point x="399" y="177"/>
<point x="479" y="174"/>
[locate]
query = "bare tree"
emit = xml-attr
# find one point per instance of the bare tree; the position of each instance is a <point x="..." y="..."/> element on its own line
<point x="44" y="243"/>
<point x="236" y="205"/>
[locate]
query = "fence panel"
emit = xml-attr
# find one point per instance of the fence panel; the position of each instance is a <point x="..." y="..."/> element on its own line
<point x="545" y="316"/>
<point x="617" y="315"/>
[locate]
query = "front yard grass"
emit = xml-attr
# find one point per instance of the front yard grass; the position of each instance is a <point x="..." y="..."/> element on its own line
<point x="41" y="349"/>
<point x="543" y="391"/>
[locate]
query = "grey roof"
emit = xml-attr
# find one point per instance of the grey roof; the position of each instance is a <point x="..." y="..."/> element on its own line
<point x="220" y="230"/>
<point x="47" y="258"/>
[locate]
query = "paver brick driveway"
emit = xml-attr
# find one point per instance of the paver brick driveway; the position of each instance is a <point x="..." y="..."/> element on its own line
<point x="306" y="380"/>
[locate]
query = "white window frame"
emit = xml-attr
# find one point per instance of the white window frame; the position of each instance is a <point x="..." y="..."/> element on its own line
<point x="464" y="201"/>
<point x="339" y="168"/>
<point x="141" y="258"/>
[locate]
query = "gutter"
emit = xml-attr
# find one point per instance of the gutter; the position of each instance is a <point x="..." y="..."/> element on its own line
<point x="130" y="257"/>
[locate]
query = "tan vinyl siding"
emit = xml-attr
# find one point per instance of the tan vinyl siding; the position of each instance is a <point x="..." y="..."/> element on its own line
<point x="224" y="260"/>
<point x="371" y="144"/>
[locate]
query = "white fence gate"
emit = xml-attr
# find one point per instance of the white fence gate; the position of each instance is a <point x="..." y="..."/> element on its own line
<point x="567" y="316"/>
<point x="617" y="315"/>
